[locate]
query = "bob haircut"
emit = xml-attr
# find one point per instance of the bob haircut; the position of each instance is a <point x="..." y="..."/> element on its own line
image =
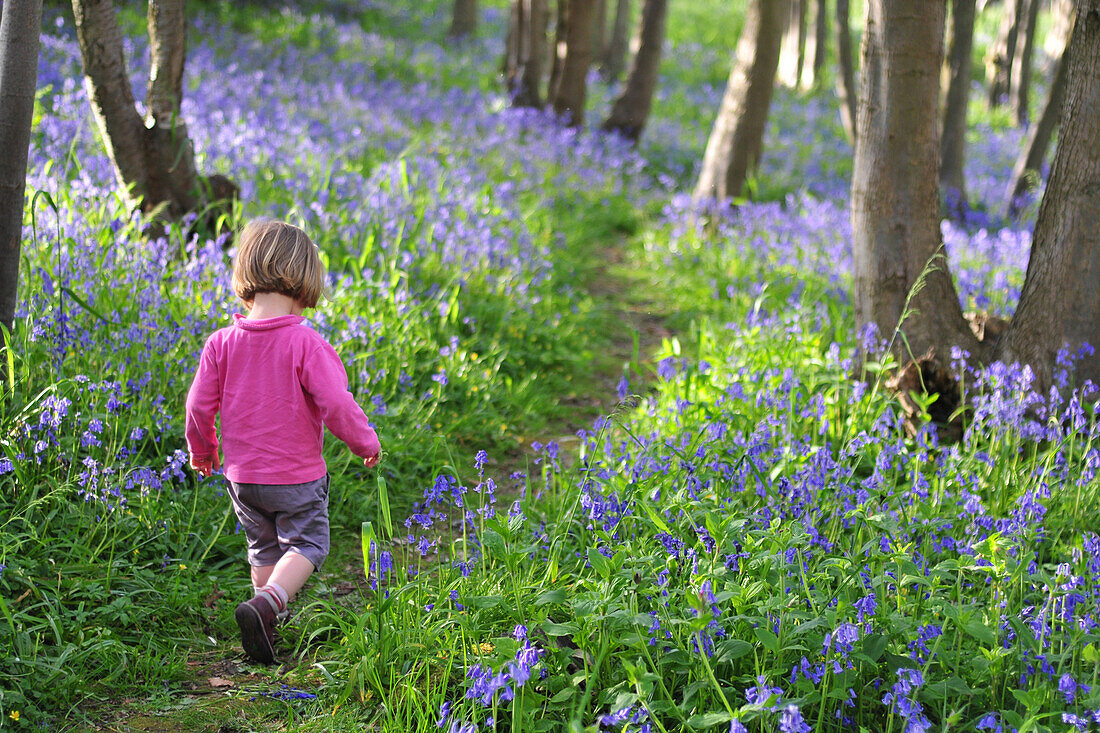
<point x="276" y="257"/>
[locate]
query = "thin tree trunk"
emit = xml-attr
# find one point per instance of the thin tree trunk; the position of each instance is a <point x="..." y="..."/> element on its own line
<point x="463" y="19"/>
<point x="531" y="78"/>
<point x="897" y="246"/>
<point x="846" y="79"/>
<point x="599" y="29"/>
<point x="153" y="160"/>
<point x="20" y="27"/>
<point x="1001" y="55"/>
<point x="1059" y="303"/>
<point x="1019" y="91"/>
<point x="513" y="61"/>
<point x="736" y="140"/>
<point x="631" y="110"/>
<point x="1026" y="172"/>
<point x="557" y="55"/>
<point x="614" y="60"/>
<point x="953" y="147"/>
<point x="573" y="86"/>
<point x="821" y="38"/>
<point x="793" y="54"/>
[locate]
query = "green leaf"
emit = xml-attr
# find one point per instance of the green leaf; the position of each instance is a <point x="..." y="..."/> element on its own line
<point x="980" y="631"/>
<point x="768" y="638"/>
<point x="551" y="597"/>
<point x="874" y="645"/>
<point x="494" y="543"/>
<point x="566" y="629"/>
<point x="706" y="720"/>
<point x="732" y="649"/>
<point x="599" y="563"/>
<point x="384" y="502"/>
<point x="656" y="518"/>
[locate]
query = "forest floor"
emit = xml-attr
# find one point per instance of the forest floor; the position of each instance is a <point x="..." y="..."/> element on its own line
<point x="226" y="693"/>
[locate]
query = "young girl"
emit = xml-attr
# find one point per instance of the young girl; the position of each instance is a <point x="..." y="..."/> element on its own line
<point x="277" y="383"/>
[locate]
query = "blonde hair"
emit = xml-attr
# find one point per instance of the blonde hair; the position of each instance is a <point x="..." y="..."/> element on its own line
<point x="276" y="257"/>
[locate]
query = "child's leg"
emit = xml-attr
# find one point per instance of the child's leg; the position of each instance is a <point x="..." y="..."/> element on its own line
<point x="261" y="574"/>
<point x="291" y="573"/>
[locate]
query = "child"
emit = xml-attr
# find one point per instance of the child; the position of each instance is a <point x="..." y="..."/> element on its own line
<point x="276" y="382"/>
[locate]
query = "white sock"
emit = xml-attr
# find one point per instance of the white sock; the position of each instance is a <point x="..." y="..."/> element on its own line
<point x="274" y="594"/>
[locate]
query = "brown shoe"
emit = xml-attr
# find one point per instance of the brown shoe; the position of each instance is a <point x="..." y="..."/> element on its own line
<point x="256" y="620"/>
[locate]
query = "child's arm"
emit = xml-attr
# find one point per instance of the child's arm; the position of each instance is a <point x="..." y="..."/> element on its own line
<point x="203" y="403"/>
<point x="324" y="378"/>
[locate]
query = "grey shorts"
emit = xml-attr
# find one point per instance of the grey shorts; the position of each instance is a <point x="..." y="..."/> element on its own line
<point x="281" y="518"/>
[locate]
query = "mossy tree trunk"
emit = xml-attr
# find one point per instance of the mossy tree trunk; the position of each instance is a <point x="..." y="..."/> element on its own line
<point x="20" y="28"/>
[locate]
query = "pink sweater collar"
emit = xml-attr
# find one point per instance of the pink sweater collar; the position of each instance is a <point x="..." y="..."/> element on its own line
<point x="265" y="324"/>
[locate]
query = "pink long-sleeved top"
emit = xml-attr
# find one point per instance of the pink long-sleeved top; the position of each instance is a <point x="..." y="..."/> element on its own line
<point x="277" y="384"/>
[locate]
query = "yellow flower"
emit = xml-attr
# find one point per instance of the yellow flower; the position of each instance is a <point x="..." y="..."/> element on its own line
<point x="14" y="715"/>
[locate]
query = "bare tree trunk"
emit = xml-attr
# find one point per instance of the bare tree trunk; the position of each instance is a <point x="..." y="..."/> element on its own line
<point x="153" y="160"/>
<point x="736" y="140"/>
<point x="614" y="60"/>
<point x="897" y="246"/>
<point x="599" y="29"/>
<point x="631" y="110"/>
<point x="793" y="54"/>
<point x="537" y="16"/>
<point x="953" y="147"/>
<point x="463" y="19"/>
<point x="1060" y="302"/>
<point x="20" y="27"/>
<point x="1025" y="173"/>
<point x="1020" y="82"/>
<point x="573" y="86"/>
<point x="846" y="80"/>
<point x="511" y="66"/>
<point x="1001" y="54"/>
<point x="821" y="39"/>
<point x="561" y="26"/>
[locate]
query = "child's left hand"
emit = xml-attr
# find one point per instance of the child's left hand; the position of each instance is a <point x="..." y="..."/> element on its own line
<point x="205" y="466"/>
<point x="372" y="461"/>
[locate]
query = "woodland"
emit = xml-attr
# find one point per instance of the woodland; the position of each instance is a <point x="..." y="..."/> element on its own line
<point x="733" y="362"/>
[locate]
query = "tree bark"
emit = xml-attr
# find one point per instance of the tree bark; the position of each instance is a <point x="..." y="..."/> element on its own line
<point x="846" y="79"/>
<point x="599" y="29"/>
<point x="557" y="55"/>
<point x="614" y="60"/>
<point x="1020" y="82"/>
<point x="900" y="265"/>
<point x="463" y="19"/>
<point x="1026" y="171"/>
<point x="821" y="38"/>
<point x="573" y="86"/>
<point x="793" y="54"/>
<point x="153" y="160"/>
<point x="1001" y="54"/>
<point x="537" y="16"/>
<point x="20" y="27"/>
<point x="953" y="147"/>
<point x="736" y="140"/>
<point x="631" y="110"/>
<point x="1060" y="302"/>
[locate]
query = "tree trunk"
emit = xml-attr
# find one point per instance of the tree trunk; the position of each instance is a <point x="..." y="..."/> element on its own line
<point x="614" y="60"/>
<point x="531" y="80"/>
<point x="511" y="67"/>
<point x="1026" y="172"/>
<point x="735" y="144"/>
<point x="153" y="160"/>
<point x="1001" y="54"/>
<point x="900" y="265"/>
<point x="953" y="147"/>
<point x="557" y="55"/>
<point x="821" y="38"/>
<point x="793" y="54"/>
<point x="599" y="29"/>
<point x="631" y="110"/>
<point x="20" y="27"/>
<point x="847" y="77"/>
<point x="1060" y="302"/>
<point x="573" y="86"/>
<point x="463" y="19"/>
<point x="1020" y="82"/>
